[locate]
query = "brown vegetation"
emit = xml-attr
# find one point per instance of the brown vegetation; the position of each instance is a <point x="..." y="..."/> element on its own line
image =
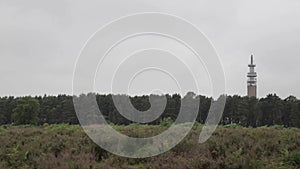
<point x="231" y="146"/>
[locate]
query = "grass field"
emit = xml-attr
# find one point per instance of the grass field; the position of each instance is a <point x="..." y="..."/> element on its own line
<point x="232" y="147"/>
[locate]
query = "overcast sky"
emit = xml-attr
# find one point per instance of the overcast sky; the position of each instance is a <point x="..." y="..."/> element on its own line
<point x="40" y="41"/>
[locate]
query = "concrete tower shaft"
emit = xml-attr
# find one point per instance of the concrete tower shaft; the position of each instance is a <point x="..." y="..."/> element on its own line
<point x="252" y="80"/>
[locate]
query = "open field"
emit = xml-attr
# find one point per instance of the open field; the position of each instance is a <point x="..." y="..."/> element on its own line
<point x="232" y="147"/>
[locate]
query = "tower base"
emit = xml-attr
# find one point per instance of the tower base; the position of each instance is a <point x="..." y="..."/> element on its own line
<point x="252" y="91"/>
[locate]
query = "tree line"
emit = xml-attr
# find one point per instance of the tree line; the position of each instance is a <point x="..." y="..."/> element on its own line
<point x="245" y="111"/>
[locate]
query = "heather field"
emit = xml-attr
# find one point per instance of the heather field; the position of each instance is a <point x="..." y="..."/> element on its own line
<point x="230" y="147"/>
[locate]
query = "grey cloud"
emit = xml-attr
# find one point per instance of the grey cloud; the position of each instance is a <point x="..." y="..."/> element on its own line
<point x="40" y="40"/>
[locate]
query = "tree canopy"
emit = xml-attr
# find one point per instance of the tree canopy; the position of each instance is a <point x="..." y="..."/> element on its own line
<point x="245" y="111"/>
<point x="26" y="111"/>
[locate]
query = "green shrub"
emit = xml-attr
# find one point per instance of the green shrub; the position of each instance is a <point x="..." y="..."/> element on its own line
<point x="278" y="127"/>
<point x="292" y="159"/>
<point x="2" y="129"/>
<point x="166" y="122"/>
<point x="233" y="126"/>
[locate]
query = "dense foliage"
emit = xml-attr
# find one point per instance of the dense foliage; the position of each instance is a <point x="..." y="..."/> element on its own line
<point x="26" y="111"/>
<point x="244" y="111"/>
<point x="231" y="147"/>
